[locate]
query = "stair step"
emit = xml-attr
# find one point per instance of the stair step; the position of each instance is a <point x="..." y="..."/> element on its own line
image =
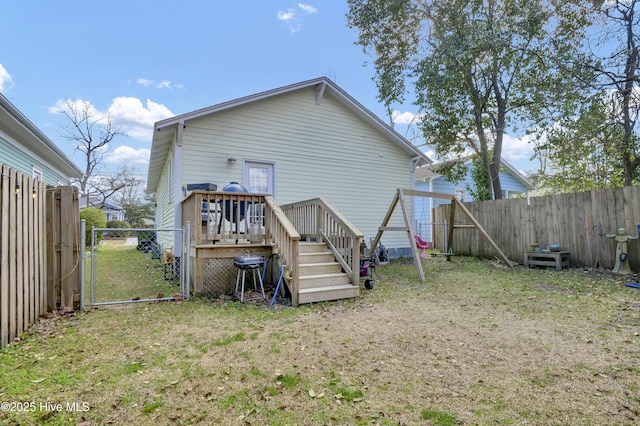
<point x="324" y="280"/>
<point x="304" y="247"/>
<point x="321" y="257"/>
<point x="310" y="295"/>
<point x="307" y="269"/>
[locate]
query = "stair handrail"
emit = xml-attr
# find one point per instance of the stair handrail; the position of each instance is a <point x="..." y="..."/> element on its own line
<point x="320" y="218"/>
<point x="284" y="237"/>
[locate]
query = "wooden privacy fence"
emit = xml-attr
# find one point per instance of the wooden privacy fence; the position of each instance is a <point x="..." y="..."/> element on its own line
<point x="24" y="232"/>
<point x="63" y="248"/>
<point x="22" y="251"/>
<point x="579" y="222"/>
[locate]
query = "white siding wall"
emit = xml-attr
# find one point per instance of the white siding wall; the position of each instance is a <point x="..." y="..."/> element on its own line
<point x="319" y="150"/>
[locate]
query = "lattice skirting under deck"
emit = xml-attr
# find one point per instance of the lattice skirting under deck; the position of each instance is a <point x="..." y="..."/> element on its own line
<point x="218" y="276"/>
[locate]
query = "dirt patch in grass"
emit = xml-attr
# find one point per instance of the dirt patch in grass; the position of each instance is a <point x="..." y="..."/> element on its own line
<point x="474" y="344"/>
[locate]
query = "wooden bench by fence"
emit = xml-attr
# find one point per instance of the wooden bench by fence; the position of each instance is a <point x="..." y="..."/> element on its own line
<point x="557" y="259"/>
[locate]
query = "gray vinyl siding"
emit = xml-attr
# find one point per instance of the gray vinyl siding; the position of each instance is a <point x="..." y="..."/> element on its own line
<point x="320" y="150"/>
<point x="23" y="162"/>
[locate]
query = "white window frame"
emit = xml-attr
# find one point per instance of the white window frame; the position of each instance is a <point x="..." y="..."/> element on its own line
<point x="36" y="174"/>
<point x="271" y="165"/>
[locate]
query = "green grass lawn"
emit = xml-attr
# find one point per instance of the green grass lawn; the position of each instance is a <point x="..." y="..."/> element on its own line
<point x="124" y="273"/>
<point x="475" y="344"/>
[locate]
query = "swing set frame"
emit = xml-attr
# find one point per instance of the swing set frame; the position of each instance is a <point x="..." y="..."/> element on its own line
<point x="399" y="197"/>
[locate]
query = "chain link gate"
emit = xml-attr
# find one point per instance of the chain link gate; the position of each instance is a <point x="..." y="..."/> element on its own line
<point x="128" y="265"/>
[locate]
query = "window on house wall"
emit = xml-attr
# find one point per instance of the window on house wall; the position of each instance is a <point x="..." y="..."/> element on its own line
<point x="258" y="181"/>
<point x="515" y="194"/>
<point x="459" y="194"/>
<point x="258" y="177"/>
<point x="36" y="174"/>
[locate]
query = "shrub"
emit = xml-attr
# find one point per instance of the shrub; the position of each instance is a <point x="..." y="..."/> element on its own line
<point x="118" y="224"/>
<point x="94" y="217"/>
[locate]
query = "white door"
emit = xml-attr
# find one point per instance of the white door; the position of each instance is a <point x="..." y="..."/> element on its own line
<point x="258" y="177"/>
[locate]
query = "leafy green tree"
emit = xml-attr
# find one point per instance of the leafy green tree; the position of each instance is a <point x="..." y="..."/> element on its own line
<point x="480" y="190"/>
<point x="477" y="67"/>
<point x="599" y="146"/>
<point x="96" y="218"/>
<point x="621" y="71"/>
<point x="581" y="152"/>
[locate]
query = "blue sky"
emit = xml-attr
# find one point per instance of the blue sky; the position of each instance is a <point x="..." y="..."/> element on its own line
<point x="144" y="61"/>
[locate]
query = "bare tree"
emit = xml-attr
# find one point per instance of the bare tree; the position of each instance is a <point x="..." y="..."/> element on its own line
<point x="91" y="131"/>
<point x="122" y="185"/>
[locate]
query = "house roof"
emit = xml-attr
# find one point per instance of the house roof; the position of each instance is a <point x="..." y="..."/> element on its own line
<point x="97" y="203"/>
<point x="164" y="130"/>
<point x="428" y="172"/>
<point x="24" y="131"/>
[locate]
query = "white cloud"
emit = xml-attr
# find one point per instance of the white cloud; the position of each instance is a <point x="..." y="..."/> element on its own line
<point x="6" y="82"/>
<point x="77" y="105"/>
<point x="129" y="156"/>
<point x="164" y="84"/>
<point x="286" y="16"/>
<point x="136" y="119"/>
<point x="307" y="8"/>
<point x="292" y="18"/>
<point x="144" y="82"/>
<point x="129" y="114"/>
<point x="517" y="149"/>
<point x="404" y="117"/>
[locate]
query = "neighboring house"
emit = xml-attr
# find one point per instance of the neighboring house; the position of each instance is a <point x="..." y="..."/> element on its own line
<point x="427" y="179"/>
<point x="26" y="149"/>
<point x="297" y="142"/>
<point x="111" y="211"/>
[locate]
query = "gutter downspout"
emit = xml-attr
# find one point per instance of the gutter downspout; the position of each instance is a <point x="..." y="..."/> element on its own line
<point x="178" y="196"/>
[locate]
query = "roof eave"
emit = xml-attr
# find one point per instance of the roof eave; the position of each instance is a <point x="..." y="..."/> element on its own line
<point x="38" y="141"/>
<point x="158" y="154"/>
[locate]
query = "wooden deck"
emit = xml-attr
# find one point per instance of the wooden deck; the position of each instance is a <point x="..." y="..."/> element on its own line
<point x="227" y="225"/>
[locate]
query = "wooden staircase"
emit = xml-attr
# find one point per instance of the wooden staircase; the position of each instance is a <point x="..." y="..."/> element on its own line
<point x="321" y="277"/>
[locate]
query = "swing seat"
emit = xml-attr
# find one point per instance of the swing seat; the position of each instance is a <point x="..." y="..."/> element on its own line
<point x="422" y="244"/>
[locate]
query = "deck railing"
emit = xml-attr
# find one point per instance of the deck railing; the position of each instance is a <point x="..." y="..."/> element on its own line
<point x="284" y="238"/>
<point x="236" y="218"/>
<point x="319" y="220"/>
<point x="220" y="217"/>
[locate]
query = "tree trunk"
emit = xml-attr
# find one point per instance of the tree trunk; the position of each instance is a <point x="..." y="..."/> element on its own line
<point x="497" y="148"/>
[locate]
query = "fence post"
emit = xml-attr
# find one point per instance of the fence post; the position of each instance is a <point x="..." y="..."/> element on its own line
<point x="93" y="266"/>
<point x="83" y="243"/>
<point x="186" y="262"/>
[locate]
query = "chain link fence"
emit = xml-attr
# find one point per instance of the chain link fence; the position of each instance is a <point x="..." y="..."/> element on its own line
<point x="128" y="265"/>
